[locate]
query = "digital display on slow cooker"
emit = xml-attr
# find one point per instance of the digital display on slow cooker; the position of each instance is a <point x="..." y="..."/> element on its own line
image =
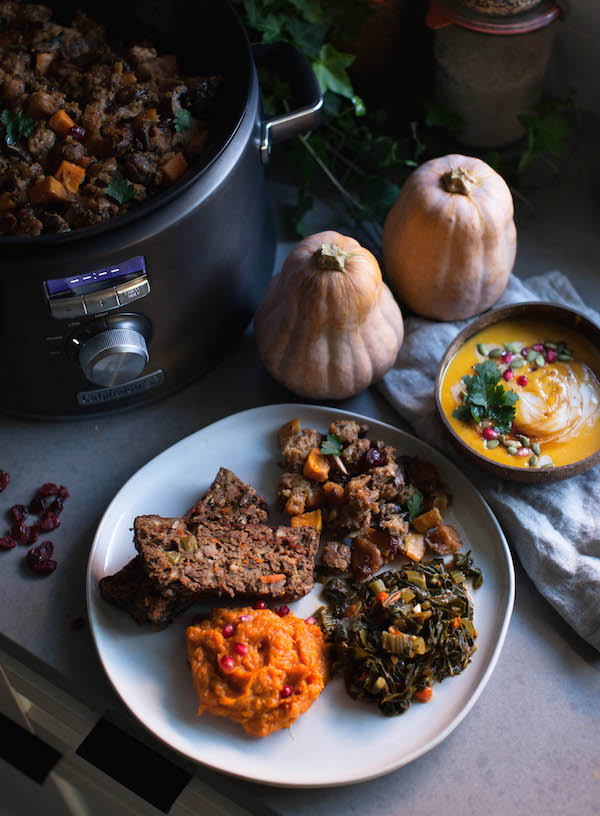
<point x="92" y="280"/>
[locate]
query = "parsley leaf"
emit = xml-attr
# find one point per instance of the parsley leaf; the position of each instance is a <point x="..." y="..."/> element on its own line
<point x="486" y="399"/>
<point x="333" y="446"/>
<point x="120" y="189"/>
<point x="416" y="505"/>
<point x="182" y="120"/>
<point x="15" y="125"/>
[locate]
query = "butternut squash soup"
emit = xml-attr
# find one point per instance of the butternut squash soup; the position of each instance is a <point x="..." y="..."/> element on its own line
<point x="525" y="393"/>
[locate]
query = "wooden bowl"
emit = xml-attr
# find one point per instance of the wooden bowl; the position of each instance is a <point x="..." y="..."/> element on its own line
<point x="526" y="311"/>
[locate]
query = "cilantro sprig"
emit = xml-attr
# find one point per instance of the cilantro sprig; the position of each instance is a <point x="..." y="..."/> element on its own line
<point x="182" y="120"/>
<point x="484" y="398"/>
<point x="333" y="445"/>
<point x="416" y="505"/>
<point x="120" y="189"/>
<point x="16" y="124"/>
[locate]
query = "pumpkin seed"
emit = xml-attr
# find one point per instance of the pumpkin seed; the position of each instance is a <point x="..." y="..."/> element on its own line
<point x="483" y="349"/>
<point x="513" y="443"/>
<point x="523" y="439"/>
<point x="540" y="360"/>
<point x="535" y="447"/>
<point x="174" y="556"/>
<point x="492" y="443"/>
<point x="533" y="461"/>
<point x="516" y="363"/>
<point x="511" y="450"/>
<point x="502" y="439"/>
<point x="188" y="543"/>
<point x="548" y="464"/>
<point x="514" y="346"/>
<point x="495" y="352"/>
<point x="549" y="344"/>
<point x="531" y="355"/>
<point x="564" y="358"/>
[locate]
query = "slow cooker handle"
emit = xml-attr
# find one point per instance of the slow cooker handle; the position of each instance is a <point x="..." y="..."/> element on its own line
<point x="290" y="63"/>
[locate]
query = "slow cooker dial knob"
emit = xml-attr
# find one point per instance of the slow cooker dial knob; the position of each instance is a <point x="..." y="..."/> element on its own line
<point x="114" y="356"/>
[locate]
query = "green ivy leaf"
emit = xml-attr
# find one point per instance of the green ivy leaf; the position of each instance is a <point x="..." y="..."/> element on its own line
<point x="330" y="70"/>
<point x="311" y="10"/>
<point x="437" y="116"/>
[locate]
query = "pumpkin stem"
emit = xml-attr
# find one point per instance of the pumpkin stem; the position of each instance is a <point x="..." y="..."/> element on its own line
<point x="458" y="180"/>
<point x="331" y="257"/>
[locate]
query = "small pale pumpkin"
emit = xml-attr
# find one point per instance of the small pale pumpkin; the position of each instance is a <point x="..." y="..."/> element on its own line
<point x="449" y="241"/>
<point x="328" y="326"/>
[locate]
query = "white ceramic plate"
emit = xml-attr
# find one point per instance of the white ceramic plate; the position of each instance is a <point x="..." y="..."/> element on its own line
<point x="338" y="740"/>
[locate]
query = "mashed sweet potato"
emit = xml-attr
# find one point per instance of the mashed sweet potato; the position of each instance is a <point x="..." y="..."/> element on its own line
<point x="255" y="667"/>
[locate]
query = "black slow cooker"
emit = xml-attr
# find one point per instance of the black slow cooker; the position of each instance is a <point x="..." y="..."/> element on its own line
<point x="114" y="315"/>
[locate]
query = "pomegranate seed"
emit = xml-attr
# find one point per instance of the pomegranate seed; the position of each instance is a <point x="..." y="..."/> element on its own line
<point x="31" y="536"/>
<point x="19" y="531"/>
<point x="245" y="618"/>
<point x="77" y="132"/>
<point x="283" y="611"/>
<point x="227" y="630"/>
<point x="48" y="489"/>
<point x="63" y="492"/>
<point x="507" y="357"/>
<point x="286" y="691"/>
<point x="18" y="512"/>
<point x="37" y="506"/>
<point x="57" y="505"/>
<point x="524" y="352"/>
<point x="538" y="347"/>
<point x="260" y="605"/>
<point x="489" y="433"/>
<point x="7" y="543"/>
<point x="550" y="355"/>
<point x="310" y="620"/>
<point x="240" y="649"/>
<point x="522" y="380"/>
<point x="508" y="374"/>
<point x="49" y="521"/>
<point x="524" y="452"/>
<point x="227" y="663"/>
<point x="40" y="563"/>
<point x="4" y="480"/>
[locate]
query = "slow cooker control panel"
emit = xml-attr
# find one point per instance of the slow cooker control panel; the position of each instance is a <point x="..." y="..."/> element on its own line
<point x="94" y="292"/>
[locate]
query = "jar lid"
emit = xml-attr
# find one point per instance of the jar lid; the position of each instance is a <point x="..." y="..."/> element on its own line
<point x="442" y="13"/>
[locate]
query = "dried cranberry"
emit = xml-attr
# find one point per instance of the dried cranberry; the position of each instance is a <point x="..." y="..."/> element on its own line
<point x="57" y="506"/>
<point x="18" y="512"/>
<point x="371" y="459"/>
<point x="38" y="559"/>
<point x="38" y="505"/>
<point x="48" y="521"/>
<point x="19" y="531"/>
<point x="48" y="489"/>
<point x="4" y="480"/>
<point x="7" y="543"/>
<point x="31" y="535"/>
<point x="77" y="132"/>
<point x="63" y="492"/>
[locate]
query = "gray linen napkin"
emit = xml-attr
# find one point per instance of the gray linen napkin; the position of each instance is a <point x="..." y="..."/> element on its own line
<point x="555" y="528"/>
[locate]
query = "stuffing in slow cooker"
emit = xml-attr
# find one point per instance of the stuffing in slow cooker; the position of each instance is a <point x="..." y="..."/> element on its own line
<point x="88" y="129"/>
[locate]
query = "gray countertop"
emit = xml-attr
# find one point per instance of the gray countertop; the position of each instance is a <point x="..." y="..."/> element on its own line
<point x="532" y="742"/>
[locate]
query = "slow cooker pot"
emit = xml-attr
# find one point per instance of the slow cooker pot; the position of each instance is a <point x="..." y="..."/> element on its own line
<point x="114" y="315"/>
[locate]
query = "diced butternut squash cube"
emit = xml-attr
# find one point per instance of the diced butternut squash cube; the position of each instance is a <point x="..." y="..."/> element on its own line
<point x="312" y="519"/>
<point x="61" y="123"/>
<point x="43" y="60"/>
<point x="145" y="117"/>
<point x="7" y="202"/>
<point x="334" y="493"/>
<point x="70" y="176"/>
<point x="444" y="540"/>
<point x="424" y="522"/>
<point x="413" y="546"/>
<point x="174" y="168"/>
<point x="316" y="466"/>
<point x="47" y="191"/>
